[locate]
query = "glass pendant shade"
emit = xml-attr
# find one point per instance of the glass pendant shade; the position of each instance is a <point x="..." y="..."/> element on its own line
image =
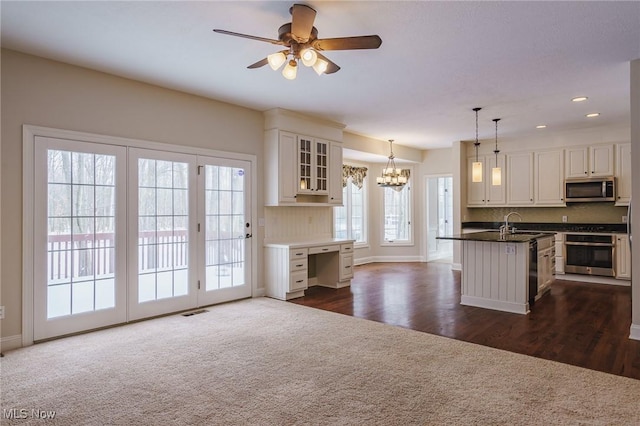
<point x="496" y="176"/>
<point x="476" y="171"/>
<point x="392" y="176"/>
<point x="290" y="70"/>
<point x="309" y="57"/>
<point x="320" y="66"/>
<point x="276" y="60"/>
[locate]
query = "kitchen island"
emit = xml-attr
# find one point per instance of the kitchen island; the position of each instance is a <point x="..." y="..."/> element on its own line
<point x="502" y="271"/>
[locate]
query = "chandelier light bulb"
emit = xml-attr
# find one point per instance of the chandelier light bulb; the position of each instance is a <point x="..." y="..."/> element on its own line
<point x="309" y="57"/>
<point x="290" y="70"/>
<point x="276" y="60"/>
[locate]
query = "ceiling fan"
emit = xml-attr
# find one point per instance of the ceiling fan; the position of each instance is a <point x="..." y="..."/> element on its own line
<point x="302" y="44"/>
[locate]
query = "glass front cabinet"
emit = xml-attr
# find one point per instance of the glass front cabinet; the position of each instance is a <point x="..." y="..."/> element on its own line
<point x="313" y="161"/>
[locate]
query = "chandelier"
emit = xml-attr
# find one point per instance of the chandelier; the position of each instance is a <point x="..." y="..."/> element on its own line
<point x="392" y="176"/>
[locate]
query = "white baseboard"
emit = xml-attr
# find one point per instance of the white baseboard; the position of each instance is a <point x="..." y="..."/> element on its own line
<point x="456" y="266"/>
<point x="635" y="332"/>
<point x="260" y="292"/>
<point x="499" y="305"/>
<point x="11" y="342"/>
<point x="390" y="259"/>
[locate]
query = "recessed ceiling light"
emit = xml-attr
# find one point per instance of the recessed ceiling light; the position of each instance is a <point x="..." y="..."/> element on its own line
<point x="579" y="99"/>
<point x="541" y="126"/>
<point x="593" y="114"/>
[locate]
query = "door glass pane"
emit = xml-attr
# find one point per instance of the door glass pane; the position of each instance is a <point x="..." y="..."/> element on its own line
<point x="81" y="232"/>
<point x="225" y="227"/>
<point x="163" y="209"/>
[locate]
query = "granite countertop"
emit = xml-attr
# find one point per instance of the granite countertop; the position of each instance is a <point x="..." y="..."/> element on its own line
<point x="553" y="227"/>
<point x="494" y="236"/>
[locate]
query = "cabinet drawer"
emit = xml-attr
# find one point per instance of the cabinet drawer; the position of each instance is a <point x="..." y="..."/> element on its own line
<point x="298" y="280"/>
<point x="346" y="248"/>
<point x="346" y="266"/>
<point x="324" y="249"/>
<point x="298" y="265"/>
<point x="298" y="253"/>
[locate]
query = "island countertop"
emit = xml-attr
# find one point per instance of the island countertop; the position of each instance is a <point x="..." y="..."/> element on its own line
<point x="494" y="236"/>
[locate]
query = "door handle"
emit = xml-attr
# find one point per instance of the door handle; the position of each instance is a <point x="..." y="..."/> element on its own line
<point x="248" y="236"/>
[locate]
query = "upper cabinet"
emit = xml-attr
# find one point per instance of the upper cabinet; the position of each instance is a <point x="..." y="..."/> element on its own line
<point x="549" y="178"/>
<point x="592" y="161"/>
<point x="301" y="170"/>
<point x="520" y="179"/>
<point x="485" y="193"/>
<point x="623" y="174"/>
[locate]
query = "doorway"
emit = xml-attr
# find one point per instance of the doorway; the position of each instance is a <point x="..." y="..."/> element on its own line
<point x="439" y="212"/>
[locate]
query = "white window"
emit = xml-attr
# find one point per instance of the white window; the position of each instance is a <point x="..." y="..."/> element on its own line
<point x="397" y="215"/>
<point x="349" y="220"/>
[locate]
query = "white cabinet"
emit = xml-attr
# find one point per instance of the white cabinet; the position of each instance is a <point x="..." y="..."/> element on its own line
<point x="485" y="193"/>
<point x="335" y="163"/>
<point x="549" y="178"/>
<point x="520" y="179"/>
<point x="546" y="263"/>
<point x="559" y="265"/>
<point x="313" y="165"/>
<point x="301" y="170"/>
<point x="623" y="174"/>
<point x="623" y="257"/>
<point x="288" y="266"/>
<point x="592" y="161"/>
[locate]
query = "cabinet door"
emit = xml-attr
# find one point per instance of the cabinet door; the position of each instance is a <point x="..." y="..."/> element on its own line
<point x="601" y="160"/>
<point x="335" y="174"/>
<point x="305" y="165"/>
<point x="577" y="162"/>
<point x="475" y="190"/>
<point x="549" y="178"/>
<point x="287" y="172"/>
<point x="520" y="179"/>
<point x="623" y="174"/>
<point x="623" y="257"/>
<point x="320" y="166"/>
<point x="496" y="194"/>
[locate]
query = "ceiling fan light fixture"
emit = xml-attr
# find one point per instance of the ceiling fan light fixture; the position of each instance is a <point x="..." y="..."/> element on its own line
<point x="309" y="57"/>
<point x="320" y="66"/>
<point x="276" y="60"/>
<point x="290" y="70"/>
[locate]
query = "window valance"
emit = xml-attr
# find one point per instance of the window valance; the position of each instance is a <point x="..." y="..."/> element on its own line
<point x="357" y="175"/>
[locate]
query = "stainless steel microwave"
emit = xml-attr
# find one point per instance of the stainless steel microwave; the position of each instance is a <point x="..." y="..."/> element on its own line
<point x="590" y="189"/>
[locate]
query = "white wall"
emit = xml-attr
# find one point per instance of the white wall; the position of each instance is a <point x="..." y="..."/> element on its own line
<point x="52" y="94"/>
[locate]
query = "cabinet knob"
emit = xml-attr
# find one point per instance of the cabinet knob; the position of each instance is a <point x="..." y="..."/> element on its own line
<point x="586" y="173"/>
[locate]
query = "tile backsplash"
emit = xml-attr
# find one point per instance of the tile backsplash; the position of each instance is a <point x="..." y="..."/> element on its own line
<point x="297" y="222"/>
<point x="576" y="213"/>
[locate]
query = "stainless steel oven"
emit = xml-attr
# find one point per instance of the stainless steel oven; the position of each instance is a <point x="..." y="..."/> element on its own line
<point x="590" y="254"/>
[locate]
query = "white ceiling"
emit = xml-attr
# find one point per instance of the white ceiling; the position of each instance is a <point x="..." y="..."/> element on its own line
<point x="519" y="61"/>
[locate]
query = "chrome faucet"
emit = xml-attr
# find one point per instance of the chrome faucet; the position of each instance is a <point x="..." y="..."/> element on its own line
<point x="506" y="229"/>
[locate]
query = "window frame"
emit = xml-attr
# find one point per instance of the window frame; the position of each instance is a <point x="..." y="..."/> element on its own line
<point x="409" y="209"/>
<point x="347" y="200"/>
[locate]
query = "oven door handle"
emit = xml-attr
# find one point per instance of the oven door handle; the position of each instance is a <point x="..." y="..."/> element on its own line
<point x="570" y="243"/>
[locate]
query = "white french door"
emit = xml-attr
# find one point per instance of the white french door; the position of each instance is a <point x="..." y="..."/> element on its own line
<point x="225" y="229"/>
<point x="79" y="260"/>
<point x="122" y="232"/>
<point x="162" y="232"/>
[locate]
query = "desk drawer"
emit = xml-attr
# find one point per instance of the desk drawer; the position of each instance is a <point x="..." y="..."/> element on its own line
<point x="346" y="267"/>
<point x="324" y="249"/>
<point x="346" y="248"/>
<point x="298" y="265"/>
<point x="300" y="253"/>
<point x="298" y="280"/>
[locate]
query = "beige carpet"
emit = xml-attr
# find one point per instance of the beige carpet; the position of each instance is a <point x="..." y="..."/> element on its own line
<point x="268" y="362"/>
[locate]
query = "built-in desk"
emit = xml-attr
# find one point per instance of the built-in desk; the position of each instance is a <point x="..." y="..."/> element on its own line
<point x="292" y="266"/>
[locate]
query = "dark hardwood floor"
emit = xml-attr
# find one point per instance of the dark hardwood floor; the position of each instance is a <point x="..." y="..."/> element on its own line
<point x="575" y="323"/>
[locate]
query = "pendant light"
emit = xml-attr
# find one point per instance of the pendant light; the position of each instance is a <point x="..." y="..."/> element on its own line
<point x="476" y="170"/>
<point x="392" y="176"/>
<point x="496" y="172"/>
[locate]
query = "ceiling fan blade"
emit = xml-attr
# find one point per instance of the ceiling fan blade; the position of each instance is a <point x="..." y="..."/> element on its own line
<point x="347" y="43"/>
<point x="259" y="64"/>
<point x="332" y="67"/>
<point x="302" y="17"/>
<point x="231" y="33"/>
